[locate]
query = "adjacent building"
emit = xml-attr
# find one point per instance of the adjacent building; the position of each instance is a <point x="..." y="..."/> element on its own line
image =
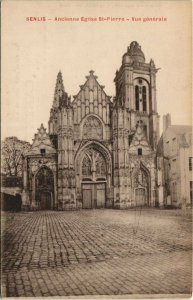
<point x="174" y="164"/>
<point x="98" y="152"/>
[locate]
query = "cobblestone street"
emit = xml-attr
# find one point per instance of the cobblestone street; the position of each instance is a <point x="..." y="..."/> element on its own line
<point x="96" y="252"/>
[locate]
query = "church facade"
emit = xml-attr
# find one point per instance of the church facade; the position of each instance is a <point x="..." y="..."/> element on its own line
<point x="98" y="152"/>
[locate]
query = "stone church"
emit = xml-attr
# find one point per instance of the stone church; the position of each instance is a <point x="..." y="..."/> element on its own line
<point x="98" y="152"/>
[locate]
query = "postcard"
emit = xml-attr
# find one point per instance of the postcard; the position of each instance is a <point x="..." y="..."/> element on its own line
<point x="96" y="173"/>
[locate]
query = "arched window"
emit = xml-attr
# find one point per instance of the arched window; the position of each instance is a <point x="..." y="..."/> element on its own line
<point x="93" y="163"/>
<point x="144" y="97"/>
<point x="92" y="128"/>
<point x="137" y="97"/>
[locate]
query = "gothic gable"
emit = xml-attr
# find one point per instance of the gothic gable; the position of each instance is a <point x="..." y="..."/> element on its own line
<point x="91" y="99"/>
<point x="41" y="142"/>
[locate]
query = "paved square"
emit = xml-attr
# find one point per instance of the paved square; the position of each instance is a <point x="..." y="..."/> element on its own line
<point x="97" y="252"/>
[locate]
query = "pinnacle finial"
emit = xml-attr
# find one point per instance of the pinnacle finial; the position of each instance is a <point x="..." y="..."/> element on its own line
<point x="59" y="89"/>
<point x="59" y="77"/>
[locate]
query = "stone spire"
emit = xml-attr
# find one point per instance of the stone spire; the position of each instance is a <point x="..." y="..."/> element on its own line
<point x="59" y="90"/>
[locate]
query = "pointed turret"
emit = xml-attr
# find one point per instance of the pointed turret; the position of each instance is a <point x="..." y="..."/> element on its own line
<point x="61" y="99"/>
<point x="59" y="95"/>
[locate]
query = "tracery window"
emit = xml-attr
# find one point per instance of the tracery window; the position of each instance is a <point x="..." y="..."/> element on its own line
<point x="92" y="128"/>
<point x="93" y="164"/>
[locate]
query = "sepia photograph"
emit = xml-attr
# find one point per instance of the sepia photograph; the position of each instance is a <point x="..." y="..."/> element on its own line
<point x="96" y="149"/>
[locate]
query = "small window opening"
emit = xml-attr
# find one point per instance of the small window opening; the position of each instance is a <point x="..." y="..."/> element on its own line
<point x="137" y="97"/>
<point x="190" y="163"/>
<point x="144" y="99"/>
<point x="139" y="151"/>
<point x="43" y="151"/>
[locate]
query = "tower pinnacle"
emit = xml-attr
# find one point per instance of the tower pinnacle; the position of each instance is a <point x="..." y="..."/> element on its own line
<point x="59" y="90"/>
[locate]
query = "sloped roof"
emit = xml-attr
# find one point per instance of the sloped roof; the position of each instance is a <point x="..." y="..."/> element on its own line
<point x="179" y="129"/>
<point x="183" y="142"/>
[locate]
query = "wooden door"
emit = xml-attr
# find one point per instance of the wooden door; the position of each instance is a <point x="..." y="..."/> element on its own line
<point x="93" y="195"/>
<point x="140" y="196"/>
<point x="45" y="202"/>
<point x="100" y="195"/>
<point x="87" y="195"/>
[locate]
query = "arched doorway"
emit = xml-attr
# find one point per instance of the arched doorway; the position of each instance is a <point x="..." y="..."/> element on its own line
<point x="141" y="188"/>
<point x="44" y="181"/>
<point x="93" y="175"/>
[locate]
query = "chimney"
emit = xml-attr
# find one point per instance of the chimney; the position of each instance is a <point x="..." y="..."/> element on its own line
<point x="166" y="121"/>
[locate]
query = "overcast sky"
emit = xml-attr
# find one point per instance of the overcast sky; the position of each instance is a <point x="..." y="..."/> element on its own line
<point x="34" y="52"/>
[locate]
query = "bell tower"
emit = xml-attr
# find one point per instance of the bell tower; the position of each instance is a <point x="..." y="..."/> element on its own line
<point x="136" y="92"/>
<point x="135" y="123"/>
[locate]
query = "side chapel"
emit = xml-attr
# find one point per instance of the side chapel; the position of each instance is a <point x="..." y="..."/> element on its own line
<point x="98" y="152"/>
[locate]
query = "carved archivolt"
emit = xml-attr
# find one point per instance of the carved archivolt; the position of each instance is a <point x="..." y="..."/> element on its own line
<point x="35" y="164"/>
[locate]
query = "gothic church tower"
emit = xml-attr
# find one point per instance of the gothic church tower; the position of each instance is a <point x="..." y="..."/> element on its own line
<point x="135" y="130"/>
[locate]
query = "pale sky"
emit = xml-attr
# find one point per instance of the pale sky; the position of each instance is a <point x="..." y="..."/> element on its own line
<point x="34" y="52"/>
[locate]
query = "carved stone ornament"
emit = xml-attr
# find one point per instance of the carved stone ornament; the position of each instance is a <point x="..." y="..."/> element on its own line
<point x="35" y="164"/>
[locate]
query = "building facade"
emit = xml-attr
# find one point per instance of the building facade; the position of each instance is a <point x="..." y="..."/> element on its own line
<point x="99" y="152"/>
<point x="174" y="156"/>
